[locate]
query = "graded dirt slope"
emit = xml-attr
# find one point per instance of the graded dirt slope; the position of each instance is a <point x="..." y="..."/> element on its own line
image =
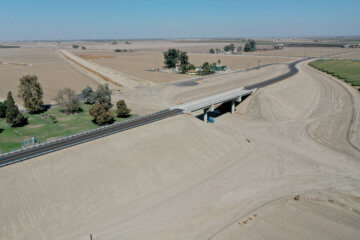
<point x="308" y="218"/>
<point x="53" y="72"/>
<point x="183" y="179"/>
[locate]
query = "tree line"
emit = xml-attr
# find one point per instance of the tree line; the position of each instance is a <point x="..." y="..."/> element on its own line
<point x="174" y="56"/>
<point x="250" y="46"/>
<point x="31" y="92"/>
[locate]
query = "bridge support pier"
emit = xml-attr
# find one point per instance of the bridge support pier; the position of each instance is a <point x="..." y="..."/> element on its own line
<point x="206" y="114"/>
<point x="232" y="106"/>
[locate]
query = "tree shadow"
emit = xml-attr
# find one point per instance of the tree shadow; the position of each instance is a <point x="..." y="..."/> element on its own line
<point x="1" y="130"/>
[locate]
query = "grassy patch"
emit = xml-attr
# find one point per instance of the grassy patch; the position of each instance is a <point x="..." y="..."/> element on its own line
<point x="42" y="127"/>
<point x="348" y="70"/>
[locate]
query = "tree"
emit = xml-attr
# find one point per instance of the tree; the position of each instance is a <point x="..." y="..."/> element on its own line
<point x="171" y="57"/>
<point x="191" y="67"/>
<point x="184" y="62"/>
<point x="239" y="49"/>
<point x="66" y="97"/>
<point x="250" y="46"/>
<point x="83" y="48"/>
<point x="101" y="113"/>
<point x="229" y="48"/>
<point x="3" y="109"/>
<point x="75" y="46"/>
<point x="31" y="93"/>
<point x="88" y="95"/>
<point x="13" y="115"/>
<point x="217" y="50"/>
<point x="212" y="51"/>
<point x="219" y="61"/>
<point x="206" y="69"/>
<point x="103" y="94"/>
<point x="121" y="109"/>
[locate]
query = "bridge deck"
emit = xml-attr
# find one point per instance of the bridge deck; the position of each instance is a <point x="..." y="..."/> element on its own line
<point x="214" y="99"/>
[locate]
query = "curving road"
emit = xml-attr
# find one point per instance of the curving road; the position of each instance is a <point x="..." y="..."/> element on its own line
<point x="21" y="155"/>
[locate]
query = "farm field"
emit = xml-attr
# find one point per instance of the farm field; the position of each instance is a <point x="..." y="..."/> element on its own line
<point x="348" y="70"/>
<point x="135" y="65"/>
<point x="303" y="52"/>
<point x="42" y="128"/>
<point x="44" y="61"/>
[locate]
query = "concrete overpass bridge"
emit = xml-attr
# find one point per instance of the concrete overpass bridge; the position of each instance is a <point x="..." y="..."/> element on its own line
<point x="207" y="104"/>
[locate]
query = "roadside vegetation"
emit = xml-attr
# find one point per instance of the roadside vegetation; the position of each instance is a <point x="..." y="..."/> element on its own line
<point x="348" y="70"/>
<point x="74" y="113"/>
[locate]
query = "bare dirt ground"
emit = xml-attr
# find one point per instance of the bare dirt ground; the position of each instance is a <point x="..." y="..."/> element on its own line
<point x="167" y="95"/>
<point x="180" y="178"/>
<point x="303" y="51"/>
<point x="53" y="72"/>
<point x="135" y="65"/>
<point x="150" y="45"/>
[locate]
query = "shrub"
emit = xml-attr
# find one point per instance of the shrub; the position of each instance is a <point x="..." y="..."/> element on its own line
<point x="103" y="94"/>
<point x="101" y="113"/>
<point x="88" y="95"/>
<point x="212" y="51"/>
<point x="66" y="97"/>
<point x="121" y="109"/>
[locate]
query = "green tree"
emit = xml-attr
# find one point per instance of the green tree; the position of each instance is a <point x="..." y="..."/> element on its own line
<point x="171" y="57"/>
<point x="121" y="109"/>
<point x="13" y="115"/>
<point x="31" y="93"/>
<point x="191" y="67"/>
<point x="212" y="51"/>
<point x="101" y="113"/>
<point x="229" y="48"/>
<point x="250" y="46"/>
<point x="88" y="95"/>
<point x="3" y="109"/>
<point x="184" y="62"/>
<point x="219" y="61"/>
<point x="67" y="98"/>
<point x="206" y="69"/>
<point x="239" y="49"/>
<point x="103" y="94"/>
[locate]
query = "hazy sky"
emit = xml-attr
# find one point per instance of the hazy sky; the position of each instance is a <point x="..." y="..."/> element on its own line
<point x="110" y="19"/>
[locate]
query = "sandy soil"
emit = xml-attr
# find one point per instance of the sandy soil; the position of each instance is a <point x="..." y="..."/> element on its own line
<point x="53" y="72"/>
<point x="151" y="45"/>
<point x="136" y="64"/>
<point x="167" y="95"/>
<point x="302" y="51"/>
<point x="315" y="216"/>
<point x="183" y="179"/>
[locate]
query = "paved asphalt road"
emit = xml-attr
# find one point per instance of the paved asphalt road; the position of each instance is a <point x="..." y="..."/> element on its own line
<point x="6" y="159"/>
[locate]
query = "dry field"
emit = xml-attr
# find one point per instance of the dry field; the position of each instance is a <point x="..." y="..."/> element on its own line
<point x="353" y="54"/>
<point x="180" y="178"/>
<point x="53" y="72"/>
<point x="151" y="45"/>
<point x="135" y="65"/>
<point x="303" y="51"/>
